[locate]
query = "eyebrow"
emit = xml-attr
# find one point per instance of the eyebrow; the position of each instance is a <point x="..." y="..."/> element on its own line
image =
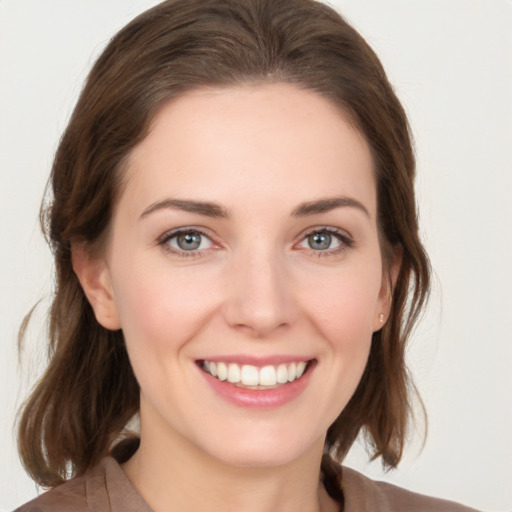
<point x="327" y="204"/>
<point x="200" y="207"/>
<point x="214" y="210"/>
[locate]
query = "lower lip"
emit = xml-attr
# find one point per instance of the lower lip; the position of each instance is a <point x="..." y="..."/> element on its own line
<point x="260" y="398"/>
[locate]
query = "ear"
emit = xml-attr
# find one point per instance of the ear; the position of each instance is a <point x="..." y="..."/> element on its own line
<point x="389" y="277"/>
<point x="94" y="276"/>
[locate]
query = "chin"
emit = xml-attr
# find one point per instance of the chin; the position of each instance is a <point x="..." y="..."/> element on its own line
<point x="270" y="450"/>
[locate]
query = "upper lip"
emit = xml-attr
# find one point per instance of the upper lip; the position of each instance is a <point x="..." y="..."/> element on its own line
<point x="257" y="360"/>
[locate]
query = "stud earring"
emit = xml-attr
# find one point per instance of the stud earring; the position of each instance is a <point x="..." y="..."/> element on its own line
<point x="381" y="318"/>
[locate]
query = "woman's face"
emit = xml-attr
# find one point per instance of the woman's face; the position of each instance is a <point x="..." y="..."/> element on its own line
<point x="244" y="253"/>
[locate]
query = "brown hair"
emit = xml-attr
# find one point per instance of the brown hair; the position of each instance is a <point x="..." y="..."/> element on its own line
<point x="88" y="393"/>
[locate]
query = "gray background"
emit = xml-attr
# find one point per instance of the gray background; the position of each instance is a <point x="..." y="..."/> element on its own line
<point x="451" y="64"/>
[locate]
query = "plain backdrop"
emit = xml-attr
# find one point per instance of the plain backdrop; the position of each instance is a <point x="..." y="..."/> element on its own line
<point x="451" y="64"/>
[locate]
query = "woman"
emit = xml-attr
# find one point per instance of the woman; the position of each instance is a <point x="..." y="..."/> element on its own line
<point x="238" y="264"/>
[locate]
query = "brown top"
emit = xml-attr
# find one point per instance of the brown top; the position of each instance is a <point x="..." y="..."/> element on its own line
<point x="107" y="489"/>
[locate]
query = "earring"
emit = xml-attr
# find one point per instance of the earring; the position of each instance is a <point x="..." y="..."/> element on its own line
<point x="381" y="318"/>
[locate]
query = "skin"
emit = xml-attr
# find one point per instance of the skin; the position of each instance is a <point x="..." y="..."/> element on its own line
<point x="255" y="288"/>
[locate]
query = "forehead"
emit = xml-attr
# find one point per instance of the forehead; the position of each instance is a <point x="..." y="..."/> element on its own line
<point x="272" y="141"/>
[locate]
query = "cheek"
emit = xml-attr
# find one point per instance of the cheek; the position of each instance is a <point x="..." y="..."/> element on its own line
<point x="343" y="312"/>
<point x="344" y="307"/>
<point x="160" y="313"/>
<point x="159" y="308"/>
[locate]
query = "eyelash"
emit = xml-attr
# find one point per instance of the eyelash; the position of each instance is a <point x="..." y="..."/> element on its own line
<point x="163" y="241"/>
<point x="346" y="242"/>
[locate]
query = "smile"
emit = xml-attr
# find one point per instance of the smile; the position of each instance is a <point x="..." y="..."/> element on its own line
<point x="253" y="377"/>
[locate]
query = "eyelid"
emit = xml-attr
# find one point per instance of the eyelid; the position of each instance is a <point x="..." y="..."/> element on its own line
<point x="163" y="239"/>
<point x="346" y="239"/>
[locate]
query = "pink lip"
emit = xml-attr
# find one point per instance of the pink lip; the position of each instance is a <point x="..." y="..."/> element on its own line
<point x="258" y="361"/>
<point x="259" y="398"/>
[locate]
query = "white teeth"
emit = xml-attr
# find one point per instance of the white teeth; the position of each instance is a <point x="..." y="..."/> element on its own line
<point x="282" y="374"/>
<point x="233" y="373"/>
<point x="222" y="371"/>
<point x="268" y="376"/>
<point x="249" y="375"/>
<point x="300" y="369"/>
<point x="292" y="372"/>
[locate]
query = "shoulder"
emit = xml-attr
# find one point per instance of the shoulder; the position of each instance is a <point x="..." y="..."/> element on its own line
<point x="105" y="488"/>
<point x="68" y="496"/>
<point x="363" y="494"/>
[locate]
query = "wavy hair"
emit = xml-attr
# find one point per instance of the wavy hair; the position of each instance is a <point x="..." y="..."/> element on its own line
<point x="80" y="407"/>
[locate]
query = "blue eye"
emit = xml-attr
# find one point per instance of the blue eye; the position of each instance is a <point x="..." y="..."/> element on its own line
<point x="187" y="241"/>
<point x="321" y="241"/>
<point x="326" y="241"/>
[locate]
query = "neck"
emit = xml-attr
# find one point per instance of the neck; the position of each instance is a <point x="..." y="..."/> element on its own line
<point x="173" y="474"/>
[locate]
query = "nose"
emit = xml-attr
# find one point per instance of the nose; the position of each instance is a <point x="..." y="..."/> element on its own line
<point x="260" y="297"/>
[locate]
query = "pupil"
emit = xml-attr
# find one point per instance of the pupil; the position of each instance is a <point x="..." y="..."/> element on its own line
<point x="189" y="241"/>
<point x="319" y="241"/>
